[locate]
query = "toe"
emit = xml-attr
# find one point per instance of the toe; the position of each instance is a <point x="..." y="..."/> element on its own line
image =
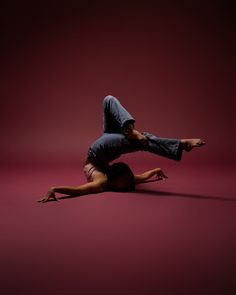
<point x="202" y="142"/>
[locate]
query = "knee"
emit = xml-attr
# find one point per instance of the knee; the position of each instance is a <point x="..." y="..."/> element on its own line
<point x="107" y="99"/>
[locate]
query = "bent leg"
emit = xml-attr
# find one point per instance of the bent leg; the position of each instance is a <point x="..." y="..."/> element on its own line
<point x="115" y="116"/>
<point x="167" y="147"/>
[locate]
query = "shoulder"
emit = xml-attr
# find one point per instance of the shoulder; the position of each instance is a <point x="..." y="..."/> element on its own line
<point x="100" y="180"/>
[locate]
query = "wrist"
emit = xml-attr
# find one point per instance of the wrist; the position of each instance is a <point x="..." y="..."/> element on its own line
<point x="52" y="189"/>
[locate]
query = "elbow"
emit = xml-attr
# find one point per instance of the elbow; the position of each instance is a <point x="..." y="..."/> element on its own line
<point x="103" y="187"/>
<point x="100" y="187"/>
<point x="139" y="179"/>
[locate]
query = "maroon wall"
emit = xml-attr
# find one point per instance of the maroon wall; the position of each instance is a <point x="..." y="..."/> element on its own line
<point x="170" y="65"/>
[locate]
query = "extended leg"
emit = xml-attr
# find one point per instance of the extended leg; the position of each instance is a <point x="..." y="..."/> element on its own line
<point x="167" y="147"/>
<point x="115" y="117"/>
<point x="170" y="147"/>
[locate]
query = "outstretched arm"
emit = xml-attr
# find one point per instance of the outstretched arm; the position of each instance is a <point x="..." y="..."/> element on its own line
<point x="84" y="189"/>
<point x="148" y="176"/>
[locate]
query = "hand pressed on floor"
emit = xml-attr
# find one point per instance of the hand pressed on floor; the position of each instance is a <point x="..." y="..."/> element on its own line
<point x="160" y="175"/>
<point x="50" y="196"/>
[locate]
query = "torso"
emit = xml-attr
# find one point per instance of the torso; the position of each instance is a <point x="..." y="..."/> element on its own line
<point x="111" y="146"/>
<point x="105" y="149"/>
<point x="93" y="171"/>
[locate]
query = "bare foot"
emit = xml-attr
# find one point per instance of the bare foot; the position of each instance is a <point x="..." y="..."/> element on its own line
<point x="189" y="144"/>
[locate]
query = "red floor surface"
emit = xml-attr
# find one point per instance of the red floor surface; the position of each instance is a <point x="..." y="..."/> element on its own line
<point x="172" y="237"/>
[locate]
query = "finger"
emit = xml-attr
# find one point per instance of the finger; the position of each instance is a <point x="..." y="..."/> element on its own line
<point x="159" y="174"/>
<point x="163" y="174"/>
<point x="45" y="200"/>
<point x="163" y="177"/>
<point x="53" y="197"/>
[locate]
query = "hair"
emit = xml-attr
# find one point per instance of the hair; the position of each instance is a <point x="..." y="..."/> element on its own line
<point x="120" y="172"/>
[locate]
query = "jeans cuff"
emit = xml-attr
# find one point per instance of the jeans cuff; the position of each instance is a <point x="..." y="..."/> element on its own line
<point x="179" y="151"/>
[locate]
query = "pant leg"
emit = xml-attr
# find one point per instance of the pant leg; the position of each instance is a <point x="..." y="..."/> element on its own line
<point x="115" y="116"/>
<point x="167" y="147"/>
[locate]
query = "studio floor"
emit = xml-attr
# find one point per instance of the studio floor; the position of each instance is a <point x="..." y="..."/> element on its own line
<point x="172" y="237"/>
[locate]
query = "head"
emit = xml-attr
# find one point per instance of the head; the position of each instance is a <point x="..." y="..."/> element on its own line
<point x="120" y="178"/>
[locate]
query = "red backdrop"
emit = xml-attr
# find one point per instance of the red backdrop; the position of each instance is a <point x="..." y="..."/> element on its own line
<point x="169" y="64"/>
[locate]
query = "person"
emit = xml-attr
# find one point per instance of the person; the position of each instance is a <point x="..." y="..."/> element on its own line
<point x="119" y="137"/>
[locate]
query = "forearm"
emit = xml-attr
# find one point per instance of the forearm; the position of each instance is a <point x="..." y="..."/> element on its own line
<point x="67" y="190"/>
<point x="148" y="174"/>
<point x="88" y="188"/>
<point x="157" y="172"/>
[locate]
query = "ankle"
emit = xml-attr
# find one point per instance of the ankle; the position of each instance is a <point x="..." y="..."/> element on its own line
<point x="128" y="128"/>
<point x="186" y="145"/>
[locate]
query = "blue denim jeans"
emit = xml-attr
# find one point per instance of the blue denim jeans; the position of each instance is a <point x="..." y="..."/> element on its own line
<point x="114" y="142"/>
<point x="115" y="116"/>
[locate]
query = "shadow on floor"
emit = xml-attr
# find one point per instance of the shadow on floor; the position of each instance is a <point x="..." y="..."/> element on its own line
<point x="158" y="193"/>
<point x="183" y="195"/>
